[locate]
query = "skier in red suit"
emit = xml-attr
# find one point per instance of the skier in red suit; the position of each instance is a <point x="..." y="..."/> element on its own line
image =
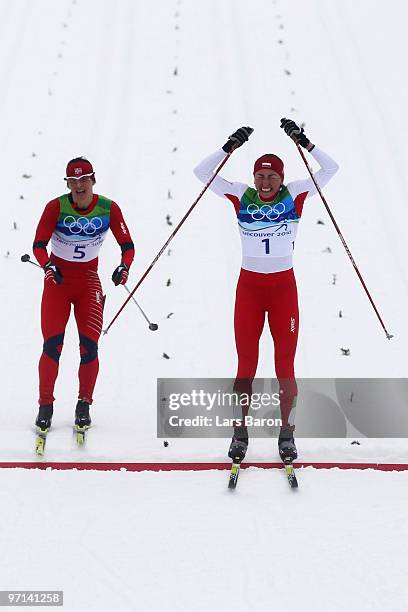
<point x="268" y="217"/>
<point x="77" y="224"/>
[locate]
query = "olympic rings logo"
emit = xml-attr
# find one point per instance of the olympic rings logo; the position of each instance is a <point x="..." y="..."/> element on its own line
<point x="83" y="224"/>
<point x="266" y="210"/>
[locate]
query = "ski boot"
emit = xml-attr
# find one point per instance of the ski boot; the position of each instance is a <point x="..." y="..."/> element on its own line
<point x="43" y="424"/>
<point x="239" y="444"/>
<point x="237" y="452"/>
<point x="82" y="418"/>
<point x="82" y="421"/>
<point x="44" y="418"/>
<point x="286" y="444"/>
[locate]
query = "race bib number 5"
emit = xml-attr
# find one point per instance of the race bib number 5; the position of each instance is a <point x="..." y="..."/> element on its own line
<point x="79" y="251"/>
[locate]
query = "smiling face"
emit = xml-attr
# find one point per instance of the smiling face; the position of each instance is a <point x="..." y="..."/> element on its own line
<point x="82" y="190"/>
<point x="267" y="183"/>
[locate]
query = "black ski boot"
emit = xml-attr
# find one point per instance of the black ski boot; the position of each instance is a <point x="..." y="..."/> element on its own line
<point x="239" y="444"/>
<point x="44" y="417"/>
<point x="82" y="418"/>
<point x="286" y="443"/>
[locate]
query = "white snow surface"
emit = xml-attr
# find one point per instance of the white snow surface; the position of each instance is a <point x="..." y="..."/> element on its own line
<point x="85" y="77"/>
<point x="153" y="541"/>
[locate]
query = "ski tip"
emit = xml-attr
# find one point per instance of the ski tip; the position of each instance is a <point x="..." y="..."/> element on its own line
<point x="291" y="476"/>
<point x="80" y="439"/>
<point x="294" y="483"/>
<point x="40" y="446"/>
<point x="233" y="479"/>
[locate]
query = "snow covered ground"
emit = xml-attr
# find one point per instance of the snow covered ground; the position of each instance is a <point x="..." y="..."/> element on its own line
<point x="145" y="92"/>
<point x="154" y="541"/>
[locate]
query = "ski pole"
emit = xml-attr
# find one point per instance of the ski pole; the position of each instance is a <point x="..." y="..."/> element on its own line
<point x="152" y="326"/>
<point x="389" y="336"/>
<point x="26" y="257"/>
<point x="200" y="195"/>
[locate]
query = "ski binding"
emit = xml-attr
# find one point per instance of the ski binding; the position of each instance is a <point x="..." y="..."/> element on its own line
<point x="40" y="441"/>
<point x="233" y="479"/>
<point x="79" y="431"/>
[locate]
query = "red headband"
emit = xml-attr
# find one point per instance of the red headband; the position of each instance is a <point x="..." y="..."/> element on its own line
<point x="76" y="169"/>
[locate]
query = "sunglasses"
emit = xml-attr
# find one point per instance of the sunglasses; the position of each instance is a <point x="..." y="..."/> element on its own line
<point x="74" y="180"/>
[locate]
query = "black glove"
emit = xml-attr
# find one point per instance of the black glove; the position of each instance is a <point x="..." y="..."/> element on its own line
<point x="52" y="273"/>
<point x="237" y="139"/>
<point x="295" y="132"/>
<point x="120" y="275"/>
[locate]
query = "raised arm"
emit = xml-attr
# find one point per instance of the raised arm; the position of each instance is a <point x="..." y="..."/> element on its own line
<point x="328" y="167"/>
<point x="205" y="169"/>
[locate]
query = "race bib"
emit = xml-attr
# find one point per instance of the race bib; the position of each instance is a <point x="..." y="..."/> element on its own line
<point x="79" y="237"/>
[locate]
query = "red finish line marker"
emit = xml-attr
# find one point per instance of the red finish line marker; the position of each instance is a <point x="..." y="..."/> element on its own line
<point x="186" y="467"/>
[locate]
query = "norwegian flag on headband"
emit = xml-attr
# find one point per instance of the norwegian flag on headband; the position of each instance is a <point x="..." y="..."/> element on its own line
<point x="79" y="167"/>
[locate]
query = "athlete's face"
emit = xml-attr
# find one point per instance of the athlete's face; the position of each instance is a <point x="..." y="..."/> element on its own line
<point x="267" y="183"/>
<point x="81" y="190"/>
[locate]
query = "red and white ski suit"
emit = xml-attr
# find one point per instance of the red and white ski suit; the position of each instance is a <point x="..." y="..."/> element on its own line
<point x="267" y="283"/>
<point x="81" y="288"/>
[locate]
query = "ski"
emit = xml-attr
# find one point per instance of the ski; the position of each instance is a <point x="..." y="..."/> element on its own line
<point x="291" y="476"/>
<point x="288" y="454"/>
<point x="42" y="427"/>
<point x="233" y="478"/>
<point x="79" y="432"/>
<point x="237" y="452"/>
<point x="40" y="441"/>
